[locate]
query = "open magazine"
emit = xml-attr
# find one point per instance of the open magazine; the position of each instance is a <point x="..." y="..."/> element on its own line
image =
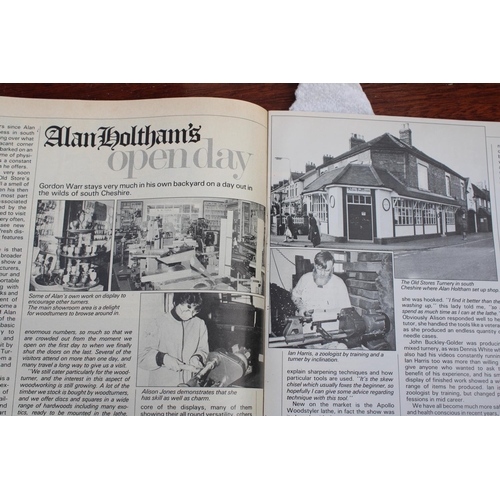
<point x="206" y="257"/>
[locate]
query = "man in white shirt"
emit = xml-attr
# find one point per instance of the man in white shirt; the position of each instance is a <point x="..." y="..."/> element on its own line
<point x="320" y="293"/>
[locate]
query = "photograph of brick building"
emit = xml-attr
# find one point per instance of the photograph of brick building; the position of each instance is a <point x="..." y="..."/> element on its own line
<point x="384" y="190"/>
<point x="418" y="188"/>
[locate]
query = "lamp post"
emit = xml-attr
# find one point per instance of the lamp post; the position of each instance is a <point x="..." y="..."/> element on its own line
<point x="284" y="158"/>
<point x="287" y="201"/>
<point x="283" y="197"/>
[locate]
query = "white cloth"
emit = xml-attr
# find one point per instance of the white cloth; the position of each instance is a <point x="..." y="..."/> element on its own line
<point x="332" y="98"/>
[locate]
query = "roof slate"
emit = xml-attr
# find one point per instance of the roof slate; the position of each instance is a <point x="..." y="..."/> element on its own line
<point x="388" y="141"/>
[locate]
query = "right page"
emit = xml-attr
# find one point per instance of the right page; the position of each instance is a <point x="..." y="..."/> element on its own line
<point x="383" y="266"/>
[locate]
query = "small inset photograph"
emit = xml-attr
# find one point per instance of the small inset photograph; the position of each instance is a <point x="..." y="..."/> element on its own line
<point x="191" y="339"/>
<point x="189" y="244"/>
<point x="331" y="299"/>
<point x="72" y="245"/>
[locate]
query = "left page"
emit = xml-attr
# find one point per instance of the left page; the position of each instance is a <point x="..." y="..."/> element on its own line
<point x="132" y="257"/>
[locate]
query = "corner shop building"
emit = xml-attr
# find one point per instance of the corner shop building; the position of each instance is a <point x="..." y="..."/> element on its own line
<point x="386" y="190"/>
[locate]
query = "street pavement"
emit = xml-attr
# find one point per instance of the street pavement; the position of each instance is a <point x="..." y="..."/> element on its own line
<point x="441" y="257"/>
<point x="417" y="244"/>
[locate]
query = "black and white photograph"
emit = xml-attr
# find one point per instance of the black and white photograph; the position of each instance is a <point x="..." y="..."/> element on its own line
<point x="189" y="243"/>
<point x="72" y="245"/>
<point x="418" y="189"/>
<point x="207" y="339"/>
<point x="331" y="299"/>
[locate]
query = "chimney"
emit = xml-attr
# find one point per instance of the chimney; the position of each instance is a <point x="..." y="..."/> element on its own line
<point x="327" y="158"/>
<point x="310" y="166"/>
<point x="405" y="134"/>
<point x="356" y="140"/>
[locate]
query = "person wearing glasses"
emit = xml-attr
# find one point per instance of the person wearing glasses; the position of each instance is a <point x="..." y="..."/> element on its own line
<point x="176" y="347"/>
<point x="321" y="292"/>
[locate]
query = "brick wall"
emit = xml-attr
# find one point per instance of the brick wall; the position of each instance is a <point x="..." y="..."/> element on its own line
<point x="392" y="162"/>
<point x="404" y="167"/>
<point x="370" y="285"/>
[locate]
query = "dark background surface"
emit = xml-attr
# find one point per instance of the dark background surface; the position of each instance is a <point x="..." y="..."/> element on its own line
<point x="441" y="100"/>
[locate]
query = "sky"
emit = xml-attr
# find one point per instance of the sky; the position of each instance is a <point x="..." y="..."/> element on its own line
<point x="458" y="145"/>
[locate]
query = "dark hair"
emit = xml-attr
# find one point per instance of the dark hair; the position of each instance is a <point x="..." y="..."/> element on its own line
<point x="321" y="259"/>
<point x="187" y="298"/>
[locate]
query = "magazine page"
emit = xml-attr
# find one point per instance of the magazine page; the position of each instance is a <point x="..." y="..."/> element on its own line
<point x="132" y="261"/>
<point x="383" y="266"/>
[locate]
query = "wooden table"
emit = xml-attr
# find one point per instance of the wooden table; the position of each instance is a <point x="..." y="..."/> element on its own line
<point x="453" y="101"/>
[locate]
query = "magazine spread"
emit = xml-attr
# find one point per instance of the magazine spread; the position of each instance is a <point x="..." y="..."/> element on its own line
<point x="206" y="257"/>
<point x="132" y="262"/>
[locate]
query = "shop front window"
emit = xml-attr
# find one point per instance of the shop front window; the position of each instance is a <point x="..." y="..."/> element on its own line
<point x="418" y="216"/>
<point x="359" y="199"/>
<point x="404" y="213"/>
<point x="450" y="217"/>
<point x="429" y="216"/>
<point x="319" y="207"/>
